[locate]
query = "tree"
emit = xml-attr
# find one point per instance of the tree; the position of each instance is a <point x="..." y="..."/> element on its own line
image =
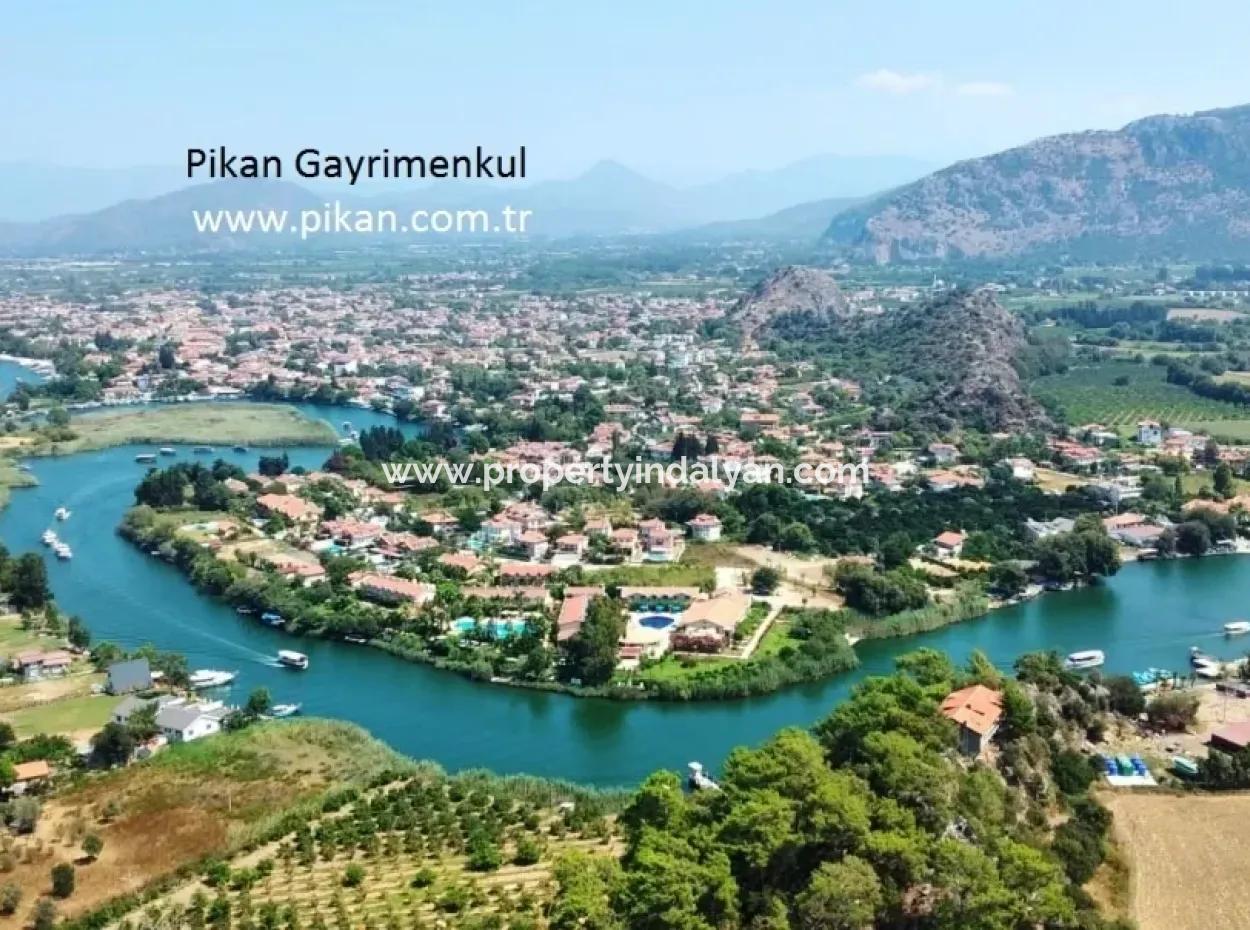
<point x="592" y="652"/>
<point x="63" y="880"/>
<point x="840" y="896"/>
<point x="1008" y="578"/>
<point x="58" y="416"/>
<point x="896" y="550"/>
<point x="1222" y="480"/>
<point x="1125" y="698"/>
<point x="92" y="846"/>
<point x="7" y="735"/>
<point x="43" y="917"/>
<point x="113" y="745"/>
<point x="28" y="583"/>
<point x="258" y="703"/>
<point x="764" y="580"/>
<point x="10" y="898"/>
<point x="1173" y="710"/>
<point x="1193" y="537"/>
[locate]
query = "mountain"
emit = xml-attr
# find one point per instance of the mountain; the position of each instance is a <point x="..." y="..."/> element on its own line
<point x="157" y="224"/>
<point x="1164" y="186"/>
<point x="36" y="191"/>
<point x="805" y="221"/>
<point x="938" y="366"/>
<point x="608" y="199"/>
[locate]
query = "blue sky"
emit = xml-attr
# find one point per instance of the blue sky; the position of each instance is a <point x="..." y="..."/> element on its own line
<point x="680" y="90"/>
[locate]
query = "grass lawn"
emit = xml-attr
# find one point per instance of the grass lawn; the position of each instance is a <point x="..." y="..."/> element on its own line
<point x="246" y="424"/>
<point x="14" y="639"/>
<point x="70" y="715"/>
<point x="673" y="574"/>
<point x="671" y="668"/>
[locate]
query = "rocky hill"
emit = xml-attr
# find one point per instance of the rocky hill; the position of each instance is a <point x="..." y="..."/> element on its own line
<point x="1165" y="186"/>
<point x="793" y="289"/>
<point x="941" y="365"/>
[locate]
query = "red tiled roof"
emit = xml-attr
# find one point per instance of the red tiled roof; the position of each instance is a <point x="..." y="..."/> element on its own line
<point x="977" y="707"/>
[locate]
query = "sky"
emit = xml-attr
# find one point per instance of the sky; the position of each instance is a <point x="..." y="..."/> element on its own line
<point x="684" y="90"/>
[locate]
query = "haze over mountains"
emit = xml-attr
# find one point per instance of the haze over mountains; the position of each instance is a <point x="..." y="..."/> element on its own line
<point x="1161" y="187"/>
<point x="55" y="210"/>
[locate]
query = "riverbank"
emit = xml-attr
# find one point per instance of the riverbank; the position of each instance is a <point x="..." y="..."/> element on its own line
<point x="261" y="425"/>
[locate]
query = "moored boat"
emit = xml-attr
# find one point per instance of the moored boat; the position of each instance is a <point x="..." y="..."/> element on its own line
<point x="61" y="513"/>
<point x="269" y="618"/>
<point x="48" y="538"/>
<point x="284" y="710"/>
<point x="202" y="450"/>
<point x="168" y="450"/>
<point x="1089" y="658"/>
<point x="145" y="457"/>
<point x="203" y="678"/>
<point x="1237" y="627"/>
<point x="63" y="551"/>
<point x="292" y="659"/>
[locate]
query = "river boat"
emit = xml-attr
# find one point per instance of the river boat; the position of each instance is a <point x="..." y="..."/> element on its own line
<point x="292" y="659"/>
<point x="203" y="678"/>
<point x="1089" y="658"/>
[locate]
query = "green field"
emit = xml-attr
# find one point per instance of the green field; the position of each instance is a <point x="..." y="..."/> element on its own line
<point x="1091" y="395"/>
<point x="247" y="424"/>
<point x="70" y="715"/>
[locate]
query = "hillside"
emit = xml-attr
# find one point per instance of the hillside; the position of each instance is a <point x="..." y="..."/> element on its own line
<point x="949" y="363"/>
<point x="1161" y="186"/>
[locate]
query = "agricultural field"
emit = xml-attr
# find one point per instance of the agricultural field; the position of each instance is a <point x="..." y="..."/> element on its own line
<point x="1188" y="858"/>
<point x="415" y="851"/>
<point x="1119" y="394"/>
<point x="209" y="798"/>
<point x="1205" y="315"/>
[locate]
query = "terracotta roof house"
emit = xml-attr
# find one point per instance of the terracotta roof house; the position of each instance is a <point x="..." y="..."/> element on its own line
<point x="1234" y="737"/>
<point x="392" y="590"/>
<point x="523" y="572"/>
<point x="293" y="508"/>
<point x="705" y="527"/>
<point x="467" y="562"/>
<point x="572" y="616"/>
<point x="977" y="709"/>
<point x="949" y="544"/>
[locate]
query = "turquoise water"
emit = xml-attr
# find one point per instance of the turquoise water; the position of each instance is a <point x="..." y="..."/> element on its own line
<point x="11" y="373"/>
<point x="1149" y="615"/>
<point x="499" y="628"/>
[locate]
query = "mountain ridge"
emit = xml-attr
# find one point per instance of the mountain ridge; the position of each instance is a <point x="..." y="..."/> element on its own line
<point x="1163" y="185"/>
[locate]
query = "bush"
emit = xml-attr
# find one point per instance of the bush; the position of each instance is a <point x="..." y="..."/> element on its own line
<point x="63" y="879"/>
<point x="424" y="878"/>
<point x="10" y="898"/>
<point x="1072" y="771"/>
<point x="1173" y="711"/>
<point x="528" y="851"/>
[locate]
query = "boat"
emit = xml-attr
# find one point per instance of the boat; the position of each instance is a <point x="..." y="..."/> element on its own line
<point x="269" y="618"/>
<point x="203" y="678"/>
<point x="353" y="638"/>
<point x="168" y="450"/>
<point x="48" y="538"/>
<point x="1209" y="668"/>
<point x="240" y="448"/>
<point x="284" y="710"/>
<point x="1090" y="658"/>
<point x="1184" y="766"/>
<point x="1151" y="678"/>
<point x="1236" y="627"/>
<point x="699" y="779"/>
<point x="145" y="457"/>
<point x="292" y="659"/>
<point x="244" y="611"/>
<point x="61" y="513"/>
<point x="63" y="551"/>
<point x="202" y="450"/>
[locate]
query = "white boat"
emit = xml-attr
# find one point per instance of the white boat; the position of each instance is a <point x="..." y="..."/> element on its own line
<point x="145" y="457"/>
<point x="48" y="538"/>
<point x="61" y="513"/>
<point x="292" y="659"/>
<point x="284" y="710"/>
<point x="1208" y="668"/>
<point x="210" y="678"/>
<point x="1237" y="627"/>
<point x="1090" y="658"/>
<point x="168" y="450"/>
<point x="63" y="551"/>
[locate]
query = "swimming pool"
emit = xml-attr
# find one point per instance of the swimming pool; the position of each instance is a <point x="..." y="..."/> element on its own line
<point x="656" y="622"/>
<point x="498" y="628"/>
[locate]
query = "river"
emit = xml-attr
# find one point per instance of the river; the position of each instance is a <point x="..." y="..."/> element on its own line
<point x="1148" y="615"/>
<point x="11" y="373"/>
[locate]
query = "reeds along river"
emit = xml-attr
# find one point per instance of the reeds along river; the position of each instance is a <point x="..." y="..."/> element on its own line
<point x="1149" y="615"/>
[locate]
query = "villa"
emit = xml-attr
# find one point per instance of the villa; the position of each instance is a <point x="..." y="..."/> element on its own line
<point x="389" y="589"/>
<point x="977" y="710"/>
<point x="705" y="527"/>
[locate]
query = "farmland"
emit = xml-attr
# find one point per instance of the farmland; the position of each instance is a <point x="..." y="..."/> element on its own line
<point x="1187" y="856"/>
<point x="411" y="850"/>
<point x="1118" y="394"/>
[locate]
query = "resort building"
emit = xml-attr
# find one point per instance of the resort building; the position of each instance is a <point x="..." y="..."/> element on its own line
<point x="389" y="589"/>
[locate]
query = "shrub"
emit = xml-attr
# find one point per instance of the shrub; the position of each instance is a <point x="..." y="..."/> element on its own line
<point x="63" y="879"/>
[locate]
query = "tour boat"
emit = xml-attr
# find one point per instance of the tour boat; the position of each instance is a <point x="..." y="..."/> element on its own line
<point x="202" y="450"/>
<point x="168" y="450"/>
<point x="269" y="618"/>
<point x="210" y="678"/>
<point x="292" y="659"/>
<point x="48" y="537"/>
<point x="63" y="551"/>
<point x="145" y="457"/>
<point x="61" y="513"/>
<point x="1090" y="658"/>
<point x="284" y="710"/>
<point x="1236" y="627"/>
<point x="244" y="611"/>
